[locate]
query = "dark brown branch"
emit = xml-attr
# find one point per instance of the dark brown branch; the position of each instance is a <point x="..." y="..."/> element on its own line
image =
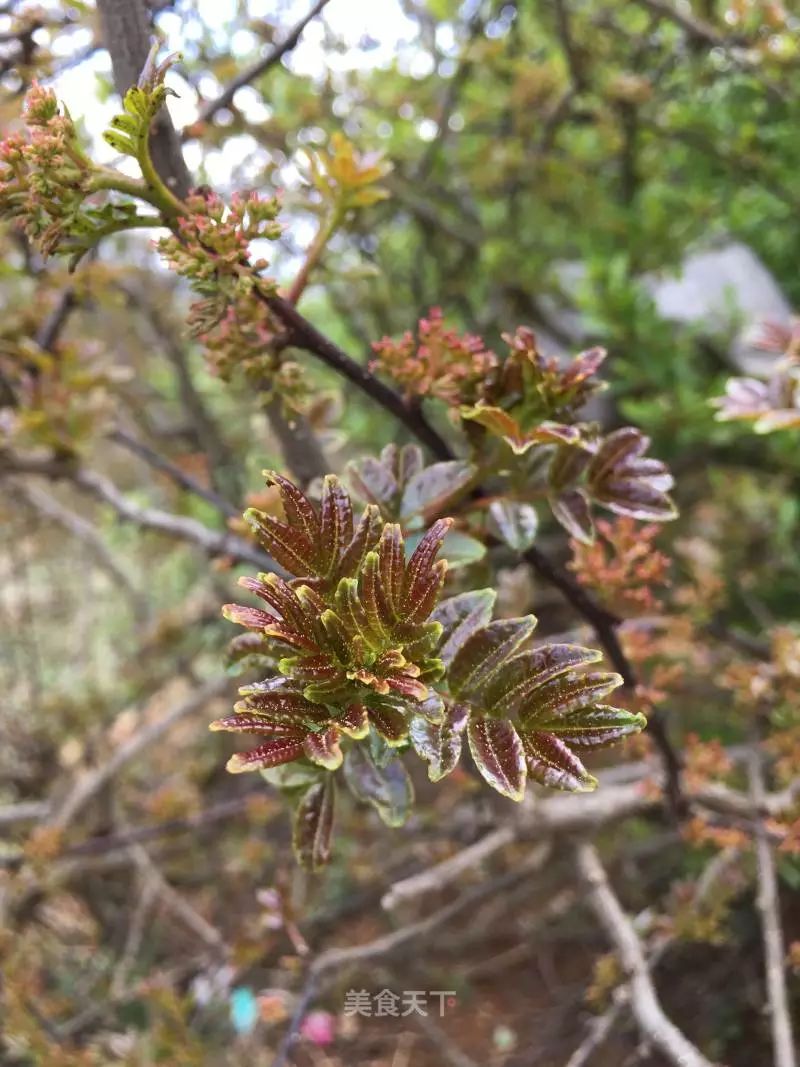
<point x="305" y="335"/>
<point x="257" y="69"/>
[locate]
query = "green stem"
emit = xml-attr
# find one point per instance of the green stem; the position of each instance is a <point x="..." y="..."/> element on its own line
<point x="314" y="254"/>
<point x="106" y="178"/>
<point x="159" y="192"/>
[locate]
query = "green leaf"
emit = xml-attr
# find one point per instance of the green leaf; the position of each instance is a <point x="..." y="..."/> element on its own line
<point x="440" y="744"/>
<point x="497" y="751"/>
<point x="516" y="523"/>
<point x="428" y="491"/>
<point x="459" y="549"/>
<point x="293" y="777"/>
<point x="388" y="789"/>
<point x="313" y="825"/>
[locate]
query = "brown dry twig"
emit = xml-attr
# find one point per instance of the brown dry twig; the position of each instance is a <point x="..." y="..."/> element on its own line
<point x="654" y="1025"/>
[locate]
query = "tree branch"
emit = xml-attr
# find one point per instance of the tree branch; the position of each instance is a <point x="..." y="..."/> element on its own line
<point x="126" y="33"/>
<point x="91" y="784"/>
<point x="303" y="334"/>
<point x="768" y="903"/>
<point x="257" y="69"/>
<point x="161" y="463"/>
<point x="654" y="1025"/>
<point x="213" y="542"/>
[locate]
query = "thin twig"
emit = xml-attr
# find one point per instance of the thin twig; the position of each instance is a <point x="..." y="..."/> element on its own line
<point x="85" y="532"/>
<point x="257" y="69"/>
<point x="768" y="902"/>
<point x="181" y="527"/>
<point x="602" y="1026"/>
<point x="177" y="904"/>
<point x="176" y="474"/>
<point x="654" y="1025"/>
<point x="88" y="786"/>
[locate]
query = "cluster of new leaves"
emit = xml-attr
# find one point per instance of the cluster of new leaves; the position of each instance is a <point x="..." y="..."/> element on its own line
<point x="526" y="399"/>
<point x="130" y="130"/>
<point x="623" y="566"/>
<point x="210" y="248"/>
<point x="438" y="362"/>
<point x="360" y="649"/>
<point x="346" y="179"/>
<point x="56" y="400"/>
<point x="46" y="182"/>
<point x="530" y="403"/>
<point x="773" y="404"/>
<point x="611" y="471"/>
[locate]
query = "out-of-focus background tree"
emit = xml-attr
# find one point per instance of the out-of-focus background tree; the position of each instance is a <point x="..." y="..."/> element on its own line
<point x="623" y="174"/>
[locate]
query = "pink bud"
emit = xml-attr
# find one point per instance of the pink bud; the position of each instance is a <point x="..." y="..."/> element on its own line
<point x="319" y="1027"/>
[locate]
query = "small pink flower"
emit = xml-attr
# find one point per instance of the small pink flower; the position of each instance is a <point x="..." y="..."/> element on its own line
<point x="319" y="1027"/>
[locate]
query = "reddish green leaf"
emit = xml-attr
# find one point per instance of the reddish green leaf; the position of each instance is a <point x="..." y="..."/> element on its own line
<point x="595" y="727"/>
<point x="353" y="721"/>
<point x="485" y="652"/>
<point x="297" y="508"/>
<point x="422" y="560"/>
<point x="251" y="618"/>
<point x="527" y="670"/>
<point x="364" y="539"/>
<point x="461" y="616"/>
<point x="292" y="549"/>
<point x="391" y="569"/>
<point x="270" y="754"/>
<point x="498" y="755"/>
<point x="313" y="825"/>
<point x="247" y="721"/>
<point x="280" y="596"/>
<point x="550" y="762"/>
<point x="323" y="748"/>
<point x="422" y="599"/>
<point x="336" y="523"/>
<point x="390" y="722"/>
<point x="566" y="692"/>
